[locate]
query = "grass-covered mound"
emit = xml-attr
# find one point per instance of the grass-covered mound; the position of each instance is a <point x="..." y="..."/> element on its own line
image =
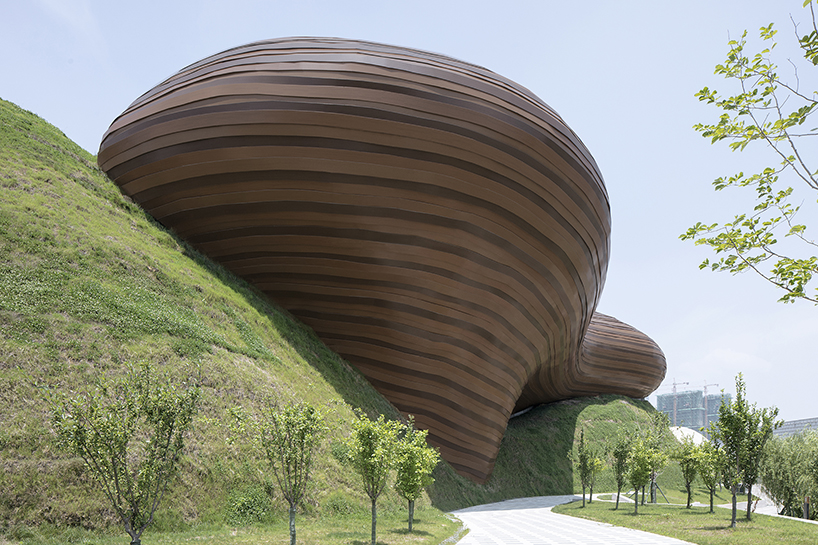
<point x="89" y="282"/>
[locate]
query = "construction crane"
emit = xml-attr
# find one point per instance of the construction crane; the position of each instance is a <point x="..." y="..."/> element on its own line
<point x="674" y="399"/>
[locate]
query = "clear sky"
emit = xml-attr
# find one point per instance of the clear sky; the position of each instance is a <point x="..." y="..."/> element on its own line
<point x="622" y="75"/>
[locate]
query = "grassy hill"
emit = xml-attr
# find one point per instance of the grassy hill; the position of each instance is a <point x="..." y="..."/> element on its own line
<point x="88" y="282"/>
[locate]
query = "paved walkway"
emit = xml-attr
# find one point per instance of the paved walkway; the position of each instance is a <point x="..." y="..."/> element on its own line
<point x="529" y="521"/>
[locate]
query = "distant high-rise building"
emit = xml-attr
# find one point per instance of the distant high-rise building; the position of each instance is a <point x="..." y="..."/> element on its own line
<point x="791" y="427"/>
<point x="691" y="409"/>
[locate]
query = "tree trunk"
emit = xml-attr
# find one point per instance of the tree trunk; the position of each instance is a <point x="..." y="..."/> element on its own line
<point x="652" y="488"/>
<point x="374" y="520"/>
<point x="643" y="495"/>
<point x="618" y="490"/>
<point x="749" y="500"/>
<point x="733" y="521"/>
<point x="411" y="513"/>
<point x="636" y="503"/>
<point x="134" y="536"/>
<point x="133" y="533"/>
<point x="591" y="495"/>
<point x="805" y="508"/>
<point x="712" y="490"/>
<point x="689" y="494"/>
<point x="292" y="524"/>
<point x="583" y="496"/>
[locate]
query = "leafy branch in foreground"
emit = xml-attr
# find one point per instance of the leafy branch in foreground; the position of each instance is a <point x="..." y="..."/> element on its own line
<point x="768" y="109"/>
<point x="130" y="434"/>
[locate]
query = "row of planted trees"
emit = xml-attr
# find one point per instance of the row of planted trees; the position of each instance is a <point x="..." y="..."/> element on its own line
<point x="131" y="432"/>
<point x="636" y="457"/>
<point x="741" y="452"/>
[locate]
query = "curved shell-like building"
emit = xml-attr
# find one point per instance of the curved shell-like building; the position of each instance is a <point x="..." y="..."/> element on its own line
<point x="436" y="224"/>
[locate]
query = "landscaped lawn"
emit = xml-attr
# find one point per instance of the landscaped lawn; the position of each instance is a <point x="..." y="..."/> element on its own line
<point x="698" y="525"/>
<point x="431" y="527"/>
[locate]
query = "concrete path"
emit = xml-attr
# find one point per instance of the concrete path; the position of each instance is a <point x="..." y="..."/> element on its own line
<point x="529" y="521"/>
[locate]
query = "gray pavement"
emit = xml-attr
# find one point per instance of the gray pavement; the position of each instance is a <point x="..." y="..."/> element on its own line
<point x="529" y="521"/>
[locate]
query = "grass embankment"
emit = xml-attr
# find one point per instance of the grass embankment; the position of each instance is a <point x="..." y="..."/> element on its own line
<point x="88" y="282"/>
<point x="698" y="525"/>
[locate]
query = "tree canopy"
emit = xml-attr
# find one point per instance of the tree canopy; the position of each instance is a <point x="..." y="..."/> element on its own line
<point x="371" y="450"/>
<point x="415" y="462"/>
<point x="688" y="455"/>
<point x="709" y="466"/>
<point x="789" y="472"/>
<point x="641" y="460"/>
<point x="619" y="453"/>
<point x="289" y="436"/>
<point x="742" y="430"/>
<point x="130" y="433"/>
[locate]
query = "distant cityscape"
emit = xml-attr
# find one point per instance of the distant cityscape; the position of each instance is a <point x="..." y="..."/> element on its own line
<point x="692" y="409"/>
<point x="696" y="410"/>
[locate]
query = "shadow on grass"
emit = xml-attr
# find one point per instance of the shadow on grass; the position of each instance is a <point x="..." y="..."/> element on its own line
<point x="406" y="532"/>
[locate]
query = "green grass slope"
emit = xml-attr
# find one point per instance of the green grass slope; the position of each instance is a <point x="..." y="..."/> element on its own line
<point x="89" y="282"/>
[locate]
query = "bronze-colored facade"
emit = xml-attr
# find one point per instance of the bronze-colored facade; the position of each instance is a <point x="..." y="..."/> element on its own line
<point x="436" y="224"/>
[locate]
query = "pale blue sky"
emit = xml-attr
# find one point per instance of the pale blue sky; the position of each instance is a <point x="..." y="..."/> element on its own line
<point x="622" y="75"/>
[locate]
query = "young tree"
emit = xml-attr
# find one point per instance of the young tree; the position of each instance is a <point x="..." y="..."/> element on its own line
<point x="289" y="437"/>
<point x="709" y="466"/>
<point x="596" y="467"/>
<point x="583" y="458"/>
<point x="688" y="455"/>
<point x="640" y="462"/>
<point x="415" y="462"/>
<point x="658" y="460"/>
<point x="371" y="450"/>
<point x="731" y="432"/>
<point x="769" y="110"/>
<point x="760" y="426"/>
<point x="656" y="436"/>
<point x="130" y="434"/>
<point x="742" y="430"/>
<point x="620" y="452"/>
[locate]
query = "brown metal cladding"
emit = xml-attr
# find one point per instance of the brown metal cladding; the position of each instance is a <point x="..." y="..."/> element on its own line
<point x="436" y="224"/>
